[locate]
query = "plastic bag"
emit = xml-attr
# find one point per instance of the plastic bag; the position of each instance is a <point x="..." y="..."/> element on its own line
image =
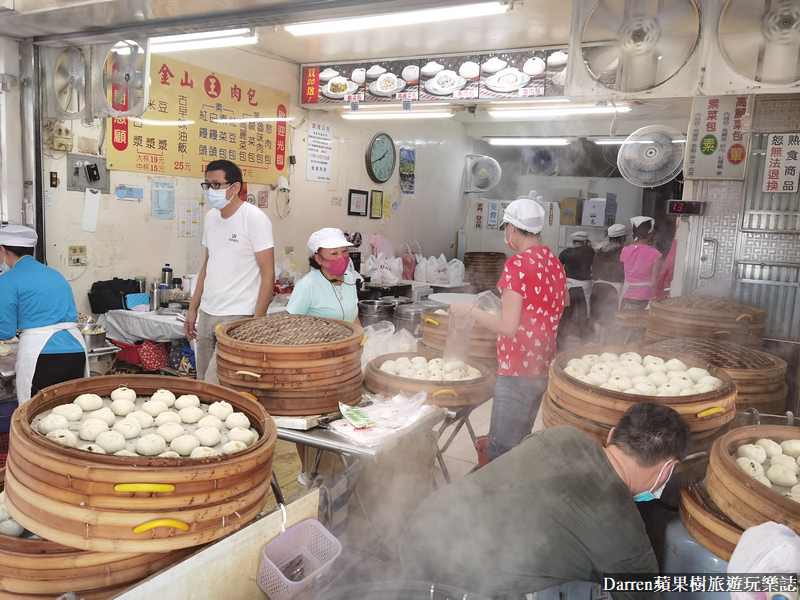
<point x="421" y="270"/>
<point x="410" y="259"/>
<point x="459" y="336"/>
<point x="286" y="267"/>
<point x="391" y="269"/>
<point x="372" y="271"/>
<point x="382" y="339"/>
<point x="765" y="548"/>
<point x="455" y="271"/>
<point x="489" y="302"/>
<point x="437" y="270"/>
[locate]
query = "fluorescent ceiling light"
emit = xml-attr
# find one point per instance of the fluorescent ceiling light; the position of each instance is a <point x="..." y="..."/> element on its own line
<point x="254" y="120"/>
<point x="407" y="114"/>
<point x="562" y="111"/>
<point x="527" y="141"/>
<point x="203" y="40"/>
<point x="413" y="17"/>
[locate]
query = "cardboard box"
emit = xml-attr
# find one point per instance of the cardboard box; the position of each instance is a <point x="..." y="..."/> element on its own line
<point x="594" y="213"/>
<point x="571" y="211"/>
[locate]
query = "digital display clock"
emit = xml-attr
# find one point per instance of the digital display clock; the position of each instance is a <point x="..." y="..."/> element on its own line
<point x="685" y="207"/>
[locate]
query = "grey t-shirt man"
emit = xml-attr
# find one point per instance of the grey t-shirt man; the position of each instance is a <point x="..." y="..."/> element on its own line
<point x="552" y="510"/>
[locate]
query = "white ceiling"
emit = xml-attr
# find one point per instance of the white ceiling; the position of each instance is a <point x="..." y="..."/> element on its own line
<point x="529" y="23"/>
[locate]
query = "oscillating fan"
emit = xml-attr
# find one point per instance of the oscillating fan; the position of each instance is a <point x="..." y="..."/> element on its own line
<point x="651" y="156"/>
<point x="68" y="87"/>
<point x="122" y="72"/>
<point x="542" y="162"/>
<point x="761" y="40"/>
<point x="633" y="45"/>
<point x="483" y="173"/>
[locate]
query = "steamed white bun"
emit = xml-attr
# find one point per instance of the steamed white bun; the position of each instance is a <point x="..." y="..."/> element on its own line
<point x="609" y="357"/>
<point x="621" y="383"/>
<point x="658" y="378"/>
<point x="695" y="374"/>
<point x="673" y="364"/>
<point x="632" y="356"/>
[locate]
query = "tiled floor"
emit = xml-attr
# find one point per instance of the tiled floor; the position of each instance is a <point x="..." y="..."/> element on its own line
<point x="461" y="456"/>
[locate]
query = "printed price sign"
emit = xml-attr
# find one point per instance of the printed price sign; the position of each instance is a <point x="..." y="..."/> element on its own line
<point x="461" y="94"/>
<point x="782" y="167"/>
<point x="407" y="95"/>
<point x="354" y="98"/>
<point x="532" y="91"/>
<point x="195" y="116"/>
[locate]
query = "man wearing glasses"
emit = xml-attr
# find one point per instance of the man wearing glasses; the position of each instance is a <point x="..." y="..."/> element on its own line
<point x="238" y="273"/>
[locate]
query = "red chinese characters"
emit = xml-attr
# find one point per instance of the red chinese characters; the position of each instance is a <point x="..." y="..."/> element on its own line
<point x="310" y="85"/>
<point x="166" y="74"/>
<point x="212" y="86"/>
<point x="119" y="133"/>
<point x="280" y="139"/>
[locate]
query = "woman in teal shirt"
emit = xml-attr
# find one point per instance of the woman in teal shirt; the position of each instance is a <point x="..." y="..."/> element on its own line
<point x="328" y="291"/>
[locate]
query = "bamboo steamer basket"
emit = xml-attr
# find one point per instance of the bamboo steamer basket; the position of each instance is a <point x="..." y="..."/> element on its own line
<point x="703" y="519"/>
<point x="706" y="317"/>
<point x="760" y="378"/>
<point x="484" y="268"/>
<point x="448" y="394"/>
<point x="599" y="409"/>
<point x="293" y="378"/>
<point x="33" y="569"/>
<point x="434" y="328"/>
<point x="71" y="497"/>
<point x="740" y="497"/>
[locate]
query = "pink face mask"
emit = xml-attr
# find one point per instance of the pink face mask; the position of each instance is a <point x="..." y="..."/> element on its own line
<point x="338" y="266"/>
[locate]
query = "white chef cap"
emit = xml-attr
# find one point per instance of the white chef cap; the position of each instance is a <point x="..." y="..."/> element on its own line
<point x="617" y="230"/>
<point x="18" y="235"/>
<point x="330" y="237"/>
<point x="579" y="236"/>
<point x="525" y="214"/>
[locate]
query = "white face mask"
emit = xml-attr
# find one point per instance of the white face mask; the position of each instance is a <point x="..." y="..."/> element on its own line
<point x="218" y="198"/>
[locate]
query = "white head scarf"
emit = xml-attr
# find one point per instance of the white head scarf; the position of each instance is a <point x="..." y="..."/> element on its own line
<point x="525" y="214"/>
<point x="636" y="221"/>
<point x="617" y="230"/>
<point x="19" y="236"/>
<point x="579" y="236"/>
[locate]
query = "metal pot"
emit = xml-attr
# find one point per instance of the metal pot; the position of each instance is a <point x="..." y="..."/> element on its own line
<point x="372" y="311"/>
<point x="94" y="340"/>
<point x="407" y="316"/>
<point x="397" y="300"/>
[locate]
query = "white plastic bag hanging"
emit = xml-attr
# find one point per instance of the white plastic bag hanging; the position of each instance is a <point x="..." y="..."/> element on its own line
<point x="763" y="549"/>
<point x="455" y="271"/>
<point x="489" y="302"/>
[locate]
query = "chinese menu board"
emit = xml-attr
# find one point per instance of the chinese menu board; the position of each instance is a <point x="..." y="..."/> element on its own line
<point x="717" y="146"/>
<point x="781" y="165"/>
<point x="195" y="116"/>
<point x="514" y="75"/>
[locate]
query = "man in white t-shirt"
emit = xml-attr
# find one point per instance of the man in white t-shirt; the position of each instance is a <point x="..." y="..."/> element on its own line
<point x="238" y="273"/>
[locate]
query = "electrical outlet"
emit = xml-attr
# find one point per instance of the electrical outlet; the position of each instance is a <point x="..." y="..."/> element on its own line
<point x="288" y="249"/>
<point x="77" y="255"/>
<point x="63" y="144"/>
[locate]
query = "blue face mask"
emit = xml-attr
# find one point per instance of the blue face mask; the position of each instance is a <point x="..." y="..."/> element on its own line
<point x="655" y="494"/>
<point x="216" y="198"/>
<point x="4" y="267"/>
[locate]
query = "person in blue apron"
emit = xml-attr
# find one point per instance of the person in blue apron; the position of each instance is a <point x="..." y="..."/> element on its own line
<point x="36" y="302"/>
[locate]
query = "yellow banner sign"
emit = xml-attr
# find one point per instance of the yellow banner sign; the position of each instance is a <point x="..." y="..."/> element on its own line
<point x="195" y="116"/>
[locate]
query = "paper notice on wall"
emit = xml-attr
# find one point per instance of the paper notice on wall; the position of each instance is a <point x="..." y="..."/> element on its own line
<point x="190" y="218"/>
<point x="48" y="199"/>
<point x="91" y="210"/>
<point x="263" y="199"/>
<point x="782" y="164"/>
<point x="163" y="200"/>
<point x="336" y="201"/>
<point x="718" y="138"/>
<point x="318" y="155"/>
<point x="492" y="220"/>
<point x="387" y="206"/>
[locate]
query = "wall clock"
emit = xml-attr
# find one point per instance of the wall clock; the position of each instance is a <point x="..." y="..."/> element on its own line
<point x="381" y="157"/>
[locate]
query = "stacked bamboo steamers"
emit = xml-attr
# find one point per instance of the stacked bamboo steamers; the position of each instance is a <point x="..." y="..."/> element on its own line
<point x="292" y="364"/>
<point x="107" y="521"/>
<point x="749" y="479"/>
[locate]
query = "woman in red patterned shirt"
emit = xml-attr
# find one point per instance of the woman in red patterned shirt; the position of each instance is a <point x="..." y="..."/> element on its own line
<point x="533" y="286"/>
